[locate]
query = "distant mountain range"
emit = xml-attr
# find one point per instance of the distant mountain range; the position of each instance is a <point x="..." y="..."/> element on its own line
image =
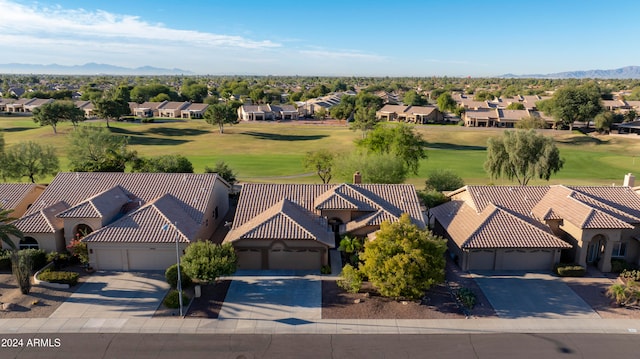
<point x="87" y="69"/>
<point x="628" y="72"/>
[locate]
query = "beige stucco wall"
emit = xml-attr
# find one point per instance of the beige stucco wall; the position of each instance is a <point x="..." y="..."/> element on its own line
<point x="585" y="236"/>
<point x="219" y="198"/>
<point x="27" y="201"/>
<point x="49" y="242"/>
<point x="70" y="225"/>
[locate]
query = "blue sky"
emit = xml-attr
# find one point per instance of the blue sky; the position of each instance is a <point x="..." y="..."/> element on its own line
<point x="326" y="38"/>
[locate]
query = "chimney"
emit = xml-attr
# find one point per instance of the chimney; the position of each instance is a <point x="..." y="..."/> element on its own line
<point x="357" y="178"/>
<point x="629" y="180"/>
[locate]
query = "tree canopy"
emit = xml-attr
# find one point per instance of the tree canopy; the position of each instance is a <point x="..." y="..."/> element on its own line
<point x="413" y="98"/>
<point x="522" y="155"/>
<point x="51" y="113"/>
<point x="206" y="261"/>
<point x="113" y="104"/>
<point x="31" y="159"/>
<point x="572" y="103"/>
<point x="221" y="114"/>
<point x="96" y="149"/>
<point x="163" y="164"/>
<point x="400" y="140"/>
<point x="373" y="167"/>
<point x="446" y="103"/>
<point x="403" y="261"/>
<point x="321" y="162"/>
<point x="443" y="180"/>
<point x="223" y="170"/>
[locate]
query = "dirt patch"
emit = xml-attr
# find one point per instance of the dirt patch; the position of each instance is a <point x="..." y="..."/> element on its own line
<point x="41" y="302"/>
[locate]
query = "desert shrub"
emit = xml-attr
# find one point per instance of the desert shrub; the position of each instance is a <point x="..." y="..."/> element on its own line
<point x="467" y="297"/>
<point x="70" y="278"/>
<point x="625" y="294"/>
<point x="570" y="270"/>
<point x="619" y="265"/>
<point x="325" y="269"/>
<point x="5" y="259"/>
<point x="350" y="279"/>
<point x="37" y="257"/>
<point x="631" y="275"/>
<point x="171" y="275"/>
<point x="21" y="267"/>
<point x="172" y="300"/>
<point x="59" y="260"/>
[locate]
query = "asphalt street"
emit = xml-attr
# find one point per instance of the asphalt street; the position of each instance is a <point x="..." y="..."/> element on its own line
<point x="462" y="346"/>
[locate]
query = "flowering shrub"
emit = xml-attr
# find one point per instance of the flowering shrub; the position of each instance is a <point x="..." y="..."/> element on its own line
<point x="78" y="249"/>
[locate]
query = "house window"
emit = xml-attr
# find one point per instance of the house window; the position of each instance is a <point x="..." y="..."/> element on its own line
<point x="28" y="243"/>
<point x="619" y="249"/>
<point x="215" y="213"/>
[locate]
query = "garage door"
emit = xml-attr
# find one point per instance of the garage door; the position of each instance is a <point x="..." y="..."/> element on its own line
<point x="528" y="259"/>
<point x="481" y="259"/>
<point x="302" y="259"/>
<point x="109" y="259"/>
<point x="148" y="259"/>
<point x="249" y="259"/>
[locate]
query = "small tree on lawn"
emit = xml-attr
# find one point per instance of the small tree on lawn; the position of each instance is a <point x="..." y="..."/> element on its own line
<point x="403" y="261"/>
<point x="206" y="261"/>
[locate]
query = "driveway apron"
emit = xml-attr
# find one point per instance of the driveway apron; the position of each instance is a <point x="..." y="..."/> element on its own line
<point x="273" y="295"/>
<point x="532" y="295"/>
<point x="116" y="295"/>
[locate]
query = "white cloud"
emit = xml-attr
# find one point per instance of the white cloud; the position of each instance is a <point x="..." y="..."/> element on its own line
<point x="76" y="34"/>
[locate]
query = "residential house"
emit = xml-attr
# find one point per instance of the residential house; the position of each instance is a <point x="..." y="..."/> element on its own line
<point x="130" y="221"/>
<point x="413" y="114"/>
<point x="87" y="107"/>
<point x="145" y="109"/>
<point x="172" y="109"/>
<point x="535" y="227"/>
<point x="292" y="226"/>
<point x="499" y="117"/>
<point x="194" y="111"/>
<point x="255" y="113"/>
<point x="34" y="103"/>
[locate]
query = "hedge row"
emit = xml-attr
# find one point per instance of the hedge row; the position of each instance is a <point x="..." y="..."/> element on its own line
<point x="570" y="270"/>
<point x="70" y="278"/>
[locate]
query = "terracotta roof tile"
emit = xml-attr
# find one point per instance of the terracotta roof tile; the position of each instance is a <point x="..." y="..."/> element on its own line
<point x="11" y="194"/>
<point x="98" y="205"/>
<point x="42" y="221"/>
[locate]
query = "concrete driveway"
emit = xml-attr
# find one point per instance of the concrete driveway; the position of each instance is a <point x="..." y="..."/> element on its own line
<point x="115" y="295"/>
<point x="534" y="295"/>
<point x="273" y="295"/>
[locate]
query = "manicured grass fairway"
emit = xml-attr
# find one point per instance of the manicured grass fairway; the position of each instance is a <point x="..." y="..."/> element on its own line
<point x="273" y="152"/>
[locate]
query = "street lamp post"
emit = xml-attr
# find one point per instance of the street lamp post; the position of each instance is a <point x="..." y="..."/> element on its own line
<point x="164" y="228"/>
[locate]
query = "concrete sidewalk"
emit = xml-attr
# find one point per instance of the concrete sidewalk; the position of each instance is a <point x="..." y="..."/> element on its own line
<point x="321" y="326"/>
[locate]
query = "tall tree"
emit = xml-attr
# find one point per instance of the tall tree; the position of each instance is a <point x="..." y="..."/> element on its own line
<point x="364" y="120"/>
<point x="522" y="155"/>
<point x="321" y="162"/>
<point x="206" y="261"/>
<point x="7" y="229"/>
<point x="400" y="140"/>
<point x="51" y="113"/>
<point x="413" y="98"/>
<point x="194" y="92"/>
<point x="112" y="105"/>
<point x="570" y="104"/>
<point x="30" y="159"/>
<point x="96" y="149"/>
<point x="404" y="261"/>
<point x="373" y="167"/>
<point x="446" y="103"/>
<point x="221" y="114"/>
<point x="603" y="121"/>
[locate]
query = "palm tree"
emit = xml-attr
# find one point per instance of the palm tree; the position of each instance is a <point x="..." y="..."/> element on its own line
<point x="7" y="229"/>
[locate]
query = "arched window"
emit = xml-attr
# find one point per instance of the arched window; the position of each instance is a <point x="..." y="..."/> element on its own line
<point x="82" y="230"/>
<point x="28" y="243"/>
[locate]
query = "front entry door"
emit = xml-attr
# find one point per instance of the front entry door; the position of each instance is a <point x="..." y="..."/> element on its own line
<point x="595" y="251"/>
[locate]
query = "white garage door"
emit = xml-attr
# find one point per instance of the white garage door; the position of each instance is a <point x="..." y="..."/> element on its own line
<point x="528" y="259"/>
<point x="109" y="259"/>
<point x="148" y="259"/>
<point x="302" y="259"/>
<point x="482" y="259"/>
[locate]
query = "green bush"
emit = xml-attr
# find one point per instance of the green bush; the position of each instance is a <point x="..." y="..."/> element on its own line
<point x="70" y="278"/>
<point x="5" y="259"/>
<point x="619" y="265"/>
<point x="38" y="257"/>
<point x="325" y="269"/>
<point x="171" y="275"/>
<point x="351" y="279"/>
<point x="172" y="300"/>
<point x="467" y="297"/>
<point x="60" y="260"/>
<point x="570" y="270"/>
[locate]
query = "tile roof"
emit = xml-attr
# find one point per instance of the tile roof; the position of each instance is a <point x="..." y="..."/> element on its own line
<point x="11" y="194"/>
<point x="284" y="220"/>
<point x="192" y="191"/>
<point x="98" y="205"/>
<point x="42" y="221"/>
<point x="157" y="222"/>
<point x="520" y="199"/>
<point x="494" y="227"/>
<point x="372" y="219"/>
